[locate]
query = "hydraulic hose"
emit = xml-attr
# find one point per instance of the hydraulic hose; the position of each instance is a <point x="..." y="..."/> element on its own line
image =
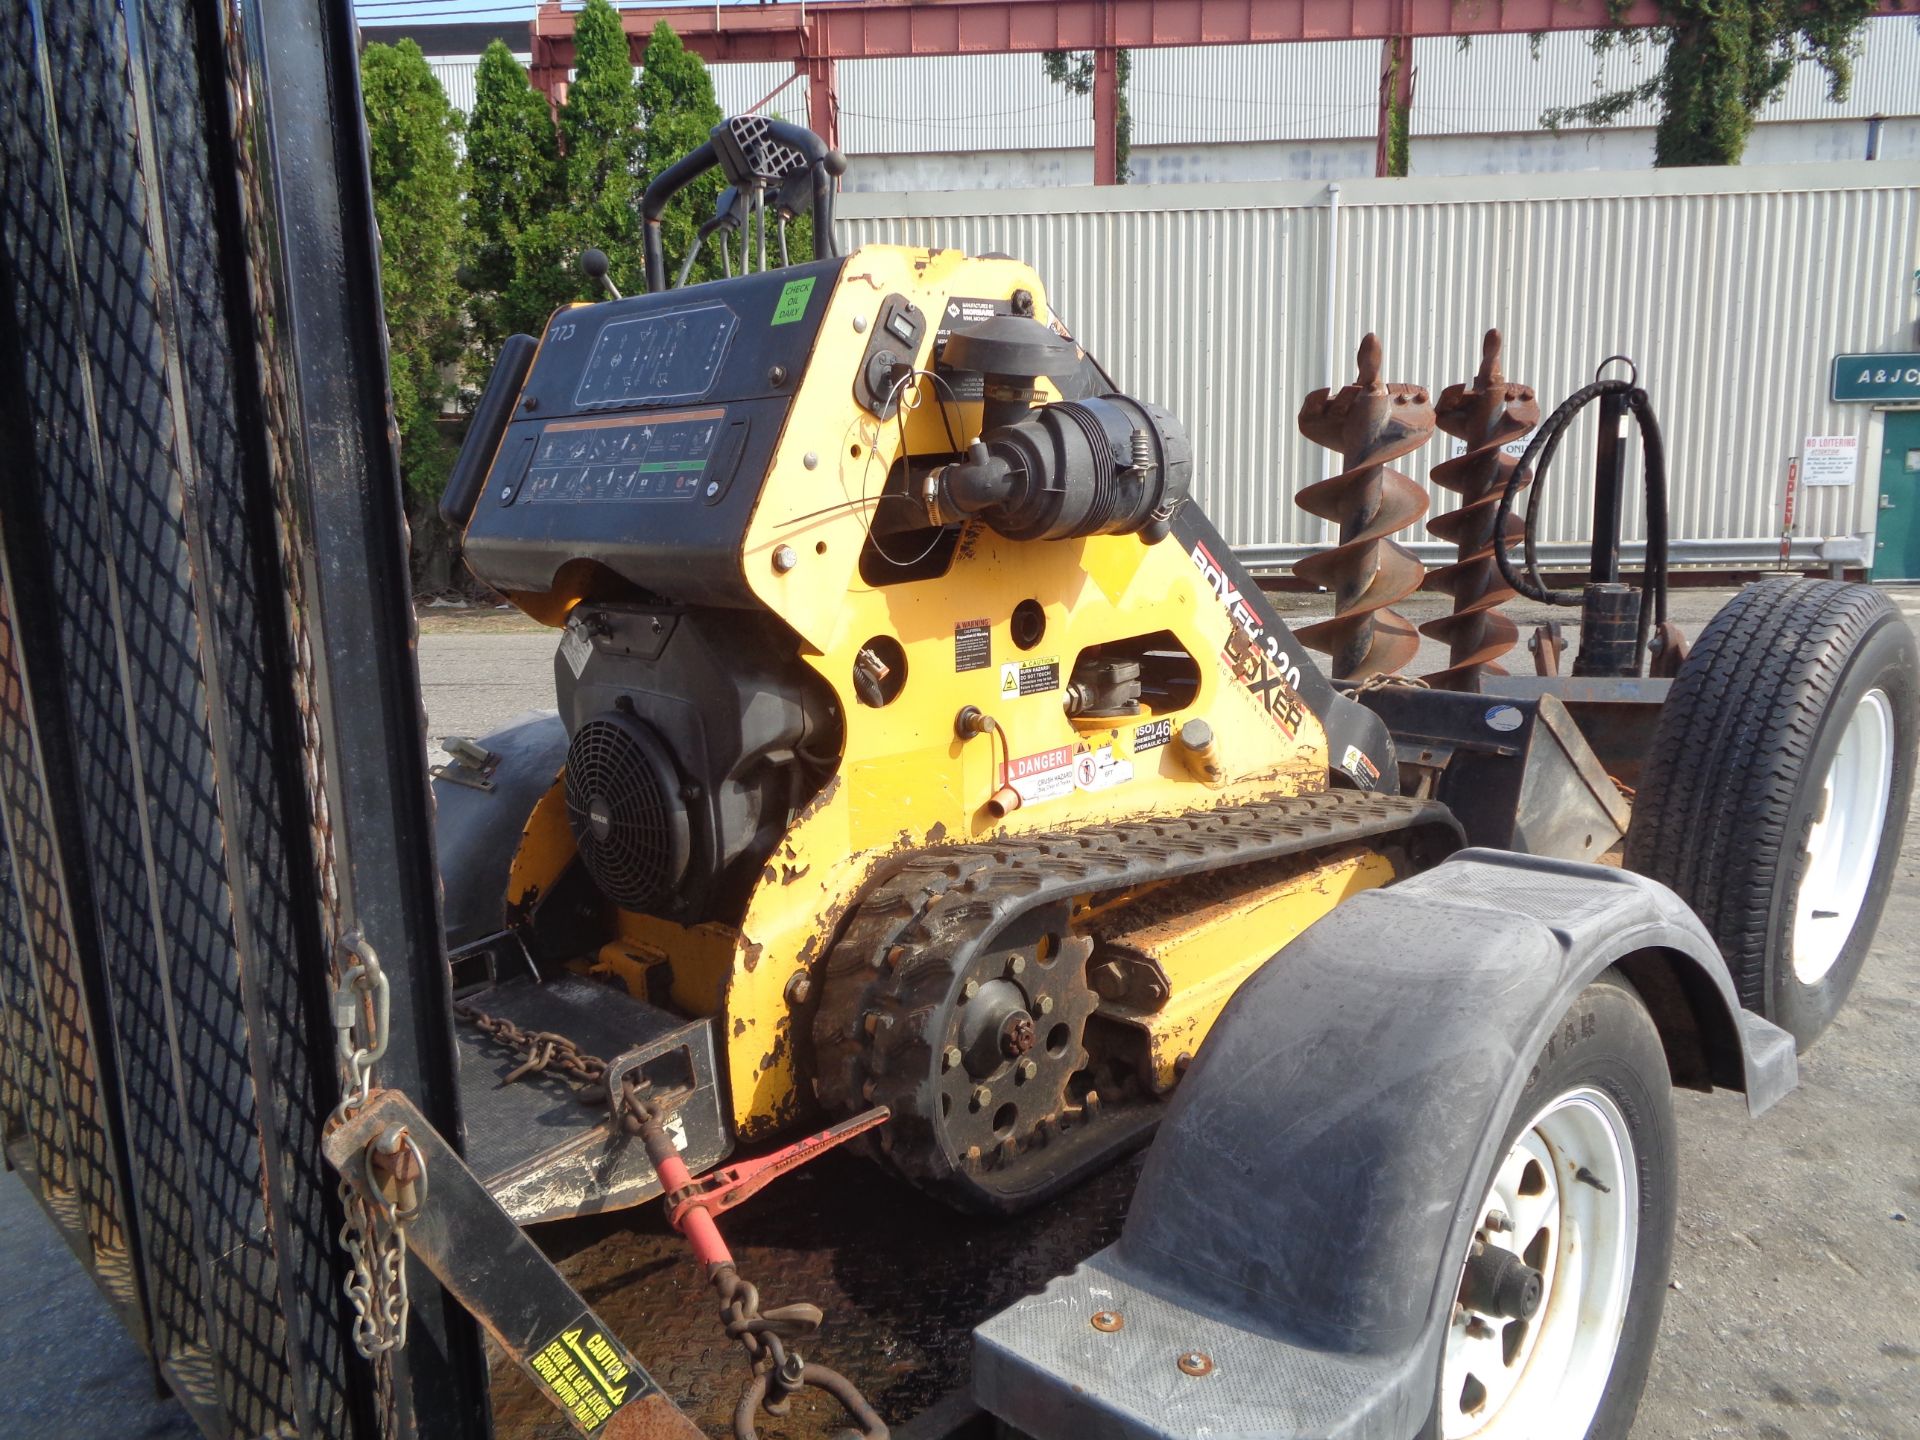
<point x="1533" y="465"/>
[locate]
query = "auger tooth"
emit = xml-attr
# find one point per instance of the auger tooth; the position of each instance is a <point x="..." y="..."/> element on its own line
<point x="1487" y="413"/>
<point x="1370" y="423"/>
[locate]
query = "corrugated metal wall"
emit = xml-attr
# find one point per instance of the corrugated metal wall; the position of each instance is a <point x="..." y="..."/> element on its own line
<point x="1731" y="288"/>
<point x="1500" y="84"/>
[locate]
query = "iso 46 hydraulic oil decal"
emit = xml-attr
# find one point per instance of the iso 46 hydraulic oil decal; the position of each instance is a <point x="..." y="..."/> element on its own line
<point x="1253" y="652"/>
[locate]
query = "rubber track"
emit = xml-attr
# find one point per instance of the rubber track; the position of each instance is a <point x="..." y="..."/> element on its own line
<point x="1735" y="737"/>
<point x="905" y="941"/>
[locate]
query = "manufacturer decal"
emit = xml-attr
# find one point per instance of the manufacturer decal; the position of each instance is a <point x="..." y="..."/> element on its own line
<point x="972" y="645"/>
<point x="1504" y="718"/>
<point x="1253" y="654"/>
<point x="1364" y="772"/>
<point x="793" y="301"/>
<point x="1250" y="667"/>
<point x="1152" y="735"/>
<point x="1046" y="776"/>
<point x="1098" y="770"/>
<point x="1029" y="677"/>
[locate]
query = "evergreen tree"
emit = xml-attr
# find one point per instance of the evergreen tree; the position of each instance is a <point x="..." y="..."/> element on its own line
<point x="416" y="202"/>
<point x="512" y="176"/>
<point x="1726" y="60"/>
<point x="678" y="111"/>
<point x="599" y="178"/>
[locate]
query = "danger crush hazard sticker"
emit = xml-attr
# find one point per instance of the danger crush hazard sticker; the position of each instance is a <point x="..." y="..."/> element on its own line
<point x="1053" y="774"/>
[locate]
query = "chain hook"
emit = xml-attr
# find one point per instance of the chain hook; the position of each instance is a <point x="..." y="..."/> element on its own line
<point x="361" y="1000"/>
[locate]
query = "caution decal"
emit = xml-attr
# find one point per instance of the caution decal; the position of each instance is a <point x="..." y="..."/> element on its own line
<point x="588" y="1373"/>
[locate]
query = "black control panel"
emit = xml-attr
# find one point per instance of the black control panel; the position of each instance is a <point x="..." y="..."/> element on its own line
<point x="660" y="458"/>
<point x="654" y="358"/>
<point x="642" y="436"/>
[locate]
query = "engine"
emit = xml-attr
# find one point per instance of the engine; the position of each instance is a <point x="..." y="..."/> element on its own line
<point x="696" y="735"/>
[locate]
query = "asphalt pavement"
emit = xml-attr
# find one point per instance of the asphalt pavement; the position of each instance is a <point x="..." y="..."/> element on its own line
<point x="1794" y="1309"/>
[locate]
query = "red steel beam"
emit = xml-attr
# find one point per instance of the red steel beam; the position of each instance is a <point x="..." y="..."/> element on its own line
<point x="873" y="29"/>
<point x="814" y="36"/>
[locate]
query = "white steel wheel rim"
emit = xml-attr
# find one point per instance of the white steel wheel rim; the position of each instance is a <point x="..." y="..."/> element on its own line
<point x="1545" y="1378"/>
<point x="1850" y="816"/>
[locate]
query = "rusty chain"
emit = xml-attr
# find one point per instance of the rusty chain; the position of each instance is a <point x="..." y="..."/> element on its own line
<point x="546" y="1052"/>
<point x="387" y="1195"/>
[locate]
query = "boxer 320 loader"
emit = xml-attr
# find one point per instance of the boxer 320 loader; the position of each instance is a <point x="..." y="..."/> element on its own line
<point x="927" y="767"/>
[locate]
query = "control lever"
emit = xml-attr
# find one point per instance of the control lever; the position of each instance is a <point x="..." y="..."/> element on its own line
<point x="595" y="265"/>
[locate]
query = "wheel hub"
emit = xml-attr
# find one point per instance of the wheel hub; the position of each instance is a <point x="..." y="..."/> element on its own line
<point x="1015" y="1019"/>
<point x="1543" y="1291"/>
<point x="1838" y="867"/>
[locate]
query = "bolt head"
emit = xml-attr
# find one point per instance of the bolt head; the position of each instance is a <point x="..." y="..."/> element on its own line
<point x="970" y="989"/>
<point x="1498" y="1222"/>
<point x="1028" y="1069"/>
<point x="951" y="1059"/>
<point x="799" y="988"/>
<point x="811" y="460"/>
<point x="1044" y="1005"/>
<point x="1017" y="965"/>
<point x="859" y="324"/>
<point x="982" y="1096"/>
<point x="713" y="487"/>
<point x="784" y="559"/>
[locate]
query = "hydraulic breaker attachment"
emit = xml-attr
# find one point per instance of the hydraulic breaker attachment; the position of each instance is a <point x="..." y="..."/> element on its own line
<point x="431" y="1205"/>
<point x="1488" y="413"/>
<point x="1370" y="423"/>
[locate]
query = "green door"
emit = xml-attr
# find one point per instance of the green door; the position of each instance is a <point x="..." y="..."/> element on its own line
<point x="1896" y="553"/>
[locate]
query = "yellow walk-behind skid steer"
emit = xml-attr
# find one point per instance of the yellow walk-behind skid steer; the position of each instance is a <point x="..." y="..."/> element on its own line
<point x="922" y="751"/>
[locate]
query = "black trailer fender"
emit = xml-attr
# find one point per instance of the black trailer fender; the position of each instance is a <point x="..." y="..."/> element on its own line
<point x="477" y="831"/>
<point x="1330" y="1147"/>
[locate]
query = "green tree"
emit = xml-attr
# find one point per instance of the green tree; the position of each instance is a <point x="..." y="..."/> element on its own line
<point x="416" y="202"/>
<point x="1726" y="59"/>
<point x="1075" y="71"/>
<point x="512" y="178"/>
<point x="599" y="176"/>
<point x="677" y="112"/>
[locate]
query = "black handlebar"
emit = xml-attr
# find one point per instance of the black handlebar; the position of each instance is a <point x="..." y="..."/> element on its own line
<point x="822" y="161"/>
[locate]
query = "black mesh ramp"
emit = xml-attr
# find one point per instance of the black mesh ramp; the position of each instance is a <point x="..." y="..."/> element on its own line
<point x="183" y="833"/>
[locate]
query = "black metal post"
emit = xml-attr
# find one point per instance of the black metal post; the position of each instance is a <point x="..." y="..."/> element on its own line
<point x="1609" y="489"/>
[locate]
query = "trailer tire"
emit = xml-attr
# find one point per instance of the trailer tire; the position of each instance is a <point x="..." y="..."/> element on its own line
<point x="1602" y="1244"/>
<point x="1776" y="796"/>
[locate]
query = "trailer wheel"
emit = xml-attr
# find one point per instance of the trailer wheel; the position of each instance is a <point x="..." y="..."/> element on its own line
<point x="1776" y="795"/>
<point x="1560" y="1293"/>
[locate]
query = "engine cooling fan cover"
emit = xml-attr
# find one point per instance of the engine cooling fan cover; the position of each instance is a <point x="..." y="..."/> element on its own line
<point x="623" y="802"/>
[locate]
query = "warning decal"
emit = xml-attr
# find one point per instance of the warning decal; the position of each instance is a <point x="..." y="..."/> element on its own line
<point x="1098" y="770"/>
<point x="972" y="645"/>
<point x="587" y="1373"/>
<point x="1029" y="677"/>
<point x="1046" y="776"/>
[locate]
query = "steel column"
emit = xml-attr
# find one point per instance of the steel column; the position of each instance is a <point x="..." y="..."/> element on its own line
<point x="1106" y="117"/>
<point x="823" y="99"/>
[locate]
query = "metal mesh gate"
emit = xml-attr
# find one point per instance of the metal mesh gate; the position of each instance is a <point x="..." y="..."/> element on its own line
<point x="210" y="759"/>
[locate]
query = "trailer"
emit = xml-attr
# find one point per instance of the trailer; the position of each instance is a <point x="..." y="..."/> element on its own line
<point x="1149" y="1027"/>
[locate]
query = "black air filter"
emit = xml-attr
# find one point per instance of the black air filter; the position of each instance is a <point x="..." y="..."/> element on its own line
<point x="623" y="802"/>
